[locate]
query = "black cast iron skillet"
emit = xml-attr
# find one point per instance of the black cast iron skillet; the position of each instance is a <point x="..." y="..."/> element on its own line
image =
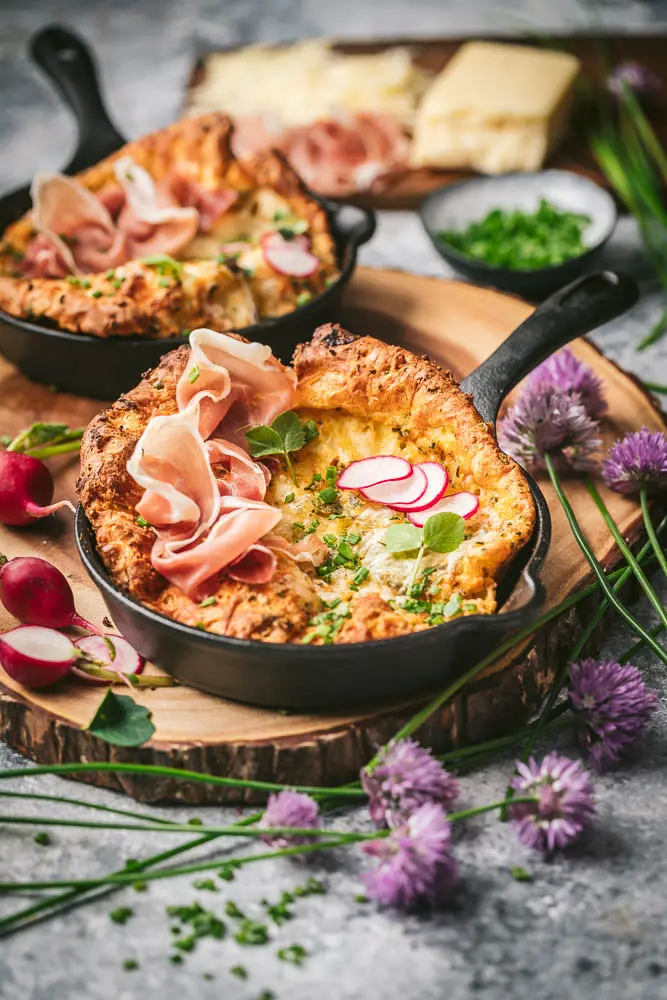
<point x="103" y="368"/>
<point x="331" y="677"/>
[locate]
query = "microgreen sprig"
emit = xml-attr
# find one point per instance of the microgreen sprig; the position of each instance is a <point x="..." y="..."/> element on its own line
<point x="441" y="533"/>
<point x="285" y="435"/>
<point x="43" y="440"/>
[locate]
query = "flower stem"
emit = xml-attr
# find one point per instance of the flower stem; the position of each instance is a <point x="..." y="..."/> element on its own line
<point x="46" y="908"/>
<point x="600" y="575"/>
<point x="415" y="568"/>
<point x="64" y="799"/>
<point x="627" y="552"/>
<point x="654" y="387"/>
<point x="173" y="772"/>
<point x="55" y="449"/>
<point x="218" y="831"/>
<point x="290" y="467"/>
<point x="629" y="653"/>
<point x="650" y="531"/>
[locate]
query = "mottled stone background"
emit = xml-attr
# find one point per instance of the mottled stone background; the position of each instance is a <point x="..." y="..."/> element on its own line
<point x="591" y="924"/>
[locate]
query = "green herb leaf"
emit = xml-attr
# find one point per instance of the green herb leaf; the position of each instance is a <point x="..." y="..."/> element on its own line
<point x="263" y="441"/>
<point x="42" y="838"/>
<point x="295" y="954"/>
<point x="310" y="431"/>
<point x="44" y="435"/>
<point x="444" y="532"/>
<point x="403" y="538"/>
<point x="288" y="498"/>
<point x="520" y="874"/>
<point x="239" y="971"/>
<point x="120" y="721"/>
<point x="121" y="914"/>
<point x="290" y="429"/>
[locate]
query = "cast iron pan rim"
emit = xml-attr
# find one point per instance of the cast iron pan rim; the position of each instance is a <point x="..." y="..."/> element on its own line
<point x="347" y="244"/>
<point x="502" y="622"/>
<point x="553" y="271"/>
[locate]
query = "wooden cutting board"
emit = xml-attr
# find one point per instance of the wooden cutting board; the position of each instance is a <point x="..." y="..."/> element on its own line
<point x="598" y="54"/>
<point x="458" y="325"/>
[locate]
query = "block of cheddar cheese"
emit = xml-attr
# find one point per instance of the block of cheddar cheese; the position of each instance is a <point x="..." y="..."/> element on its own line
<point x="495" y="108"/>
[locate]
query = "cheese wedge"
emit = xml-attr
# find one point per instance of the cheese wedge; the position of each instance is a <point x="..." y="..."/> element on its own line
<point x="495" y="108"/>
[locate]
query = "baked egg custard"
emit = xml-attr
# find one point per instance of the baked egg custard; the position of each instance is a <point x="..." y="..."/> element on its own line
<point x="285" y="545"/>
<point x="168" y="234"/>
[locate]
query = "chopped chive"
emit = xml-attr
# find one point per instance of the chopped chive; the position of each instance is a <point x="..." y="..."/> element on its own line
<point x="142" y="522"/>
<point x="288" y="498"/>
<point x="193" y="375"/>
<point x="208" y="602"/>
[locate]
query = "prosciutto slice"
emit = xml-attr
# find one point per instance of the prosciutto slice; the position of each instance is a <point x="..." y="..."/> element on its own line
<point x="257" y="566"/>
<point x="247" y="478"/>
<point x="225" y="374"/>
<point x="151" y="222"/>
<point x="210" y="204"/>
<point x="77" y="225"/>
<point x="241" y="524"/>
<point x="171" y="462"/>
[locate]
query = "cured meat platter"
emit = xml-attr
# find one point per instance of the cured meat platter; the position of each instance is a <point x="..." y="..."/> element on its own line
<point x="208" y="734"/>
<point x="598" y="54"/>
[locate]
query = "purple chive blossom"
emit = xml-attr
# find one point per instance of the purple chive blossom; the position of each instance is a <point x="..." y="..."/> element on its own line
<point x="415" y="861"/>
<point x="544" y="419"/>
<point x="404" y="778"/>
<point x="565" y="372"/>
<point x="294" y="809"/>
<point x="636" y="77"/>
<point x="564" y="803"/>
<point x="613" y="705"/>
<point x="638" y="461"/>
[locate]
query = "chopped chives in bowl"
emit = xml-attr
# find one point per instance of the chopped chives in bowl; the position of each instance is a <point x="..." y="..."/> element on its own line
<point x="522" y="241"/>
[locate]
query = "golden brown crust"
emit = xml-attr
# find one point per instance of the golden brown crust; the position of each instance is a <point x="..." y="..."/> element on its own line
<point x="204" y="292"/>
<point x="367" y="397"/>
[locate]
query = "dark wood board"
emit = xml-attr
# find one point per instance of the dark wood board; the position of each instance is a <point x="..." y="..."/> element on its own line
<point x="457" y="324"/>
<point x="598" y="53"/>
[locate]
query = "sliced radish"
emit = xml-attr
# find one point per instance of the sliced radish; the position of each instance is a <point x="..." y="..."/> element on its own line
<point x="438" y="480"/>
<point x="35" y="656"/>
<point x="275" y="238"/>
<point x="367" y="472"/>
<point x="98" y="647"/>
<point x="465" y="504"/>
<point x="399" y="491"/>
<point x="288" y="257"/>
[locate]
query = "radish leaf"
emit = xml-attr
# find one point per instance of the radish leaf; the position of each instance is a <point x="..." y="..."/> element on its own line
<point x="120" y="721"/>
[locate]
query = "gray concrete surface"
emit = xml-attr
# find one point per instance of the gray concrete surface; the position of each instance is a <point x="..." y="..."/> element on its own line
<point x="592" y="923"/>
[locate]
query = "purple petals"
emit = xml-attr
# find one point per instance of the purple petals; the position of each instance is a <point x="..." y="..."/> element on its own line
<point x="545" y="419"/>
<point x="405" y="777"/>
<point x="638" y="461"/>
<point x="564" y="802"/>
<point x="293" y="809"/>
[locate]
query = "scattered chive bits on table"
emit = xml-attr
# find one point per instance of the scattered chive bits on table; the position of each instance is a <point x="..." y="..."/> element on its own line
<point x="522" y="241"/>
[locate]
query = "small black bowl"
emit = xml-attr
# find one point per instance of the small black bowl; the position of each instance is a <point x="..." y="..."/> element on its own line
<point x="105" y="367"/>
<point x="454" y="207"/>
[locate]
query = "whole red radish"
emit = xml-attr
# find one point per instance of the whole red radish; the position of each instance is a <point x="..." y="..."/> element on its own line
<point x="37" y="593"/>
<point x="36" y="657"/>
<point x="26" y="489"/>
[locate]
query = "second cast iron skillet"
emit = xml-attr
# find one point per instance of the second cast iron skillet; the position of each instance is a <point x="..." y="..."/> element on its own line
<point x="331" y="677"/>
<point x="100" y="367"/>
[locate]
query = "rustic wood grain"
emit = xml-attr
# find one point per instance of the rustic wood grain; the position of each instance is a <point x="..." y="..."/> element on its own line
<point x="598" y="54"/>
<point x="457" y="324"/>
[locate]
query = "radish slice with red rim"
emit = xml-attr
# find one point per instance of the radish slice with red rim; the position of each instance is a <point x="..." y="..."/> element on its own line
<point x="366" y="472"/>
<point x="123" y="660"/>
<point x="437" y="482"/>
<point x="399" y="491"/>
<point x="465" y="504"/>
<point x="36" y="656"/>
<point x="289" y="257"/>
<point x="277" y="239"/>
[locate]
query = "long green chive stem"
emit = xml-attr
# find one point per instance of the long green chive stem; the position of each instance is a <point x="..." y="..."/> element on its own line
<point x="627" y="552"/>
<point x="654" y="387"/>
<point x="46" y="908"/>
<point x="595" y="565"/>
<point x="501" y="742"/>
<point x="504" y="647"/>
<point x="651" y="532"/>
<point x="65" y="800"/>
<point x="217" y="831"/>
<point x="636" y="647"/>
<point x="131" y="877"/>
<point x="173" y="772"/>
<point x="55" y="449"/>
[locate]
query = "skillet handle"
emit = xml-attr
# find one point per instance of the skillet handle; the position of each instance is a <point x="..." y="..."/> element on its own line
<point x="571" y="312"/>
<point x="68" y="62"/>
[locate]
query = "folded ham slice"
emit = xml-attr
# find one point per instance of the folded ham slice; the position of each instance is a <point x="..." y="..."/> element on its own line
<point x="247" y="478"/>
<point x="210" y="204"/>
<point x="171" y="462"/>
<point x="224" y="375"/>
<point x="78" y="226"/>
<point x="257" y="566"/>
<point x="241" y="524"/>
<point x="151" y="222"/>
